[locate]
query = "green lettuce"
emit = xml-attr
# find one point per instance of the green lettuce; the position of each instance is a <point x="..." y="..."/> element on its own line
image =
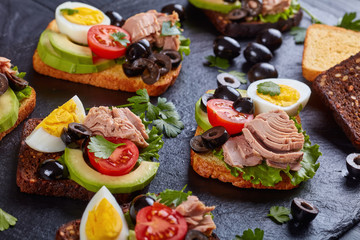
<point x="25" y="93"/>
<point x="184" y="46"/>
<point x="288" y="13"/>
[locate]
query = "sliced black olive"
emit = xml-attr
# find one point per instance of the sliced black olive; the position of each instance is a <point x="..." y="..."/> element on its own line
<point x="261" y="71"/>
<point x="151" y="74"/>
<point x="163" y="62"/>
<point x="52" y="169"/>
<point x="174" y="56"/>
<point x="115" y="18"/>
<point x="140" y="49"/>
<point x="253" y="7"/>
<point x="237" y="14"/>
<point x="4" y="84"/>
<point x="303" y="211"/>
<point x="195" y="235"/>
<point x="353" y="164"/>
<point x="215" y="137"/>
<point x="138" y="203"/>
<point x="227" y="93"/>
<point x="15" y="82"/>
<point x="270" y="38"/>
<point x="230" y="1"/>
<point x="197" y="145"/>
<point x="79" y="131"/>
<point x="226" y="47"/>
<point x="179" y="9"/>
<point x="226" y="79"/>
<point x="244" y="105"/>
<point x="131" y="71"/>
<point x="204" y="99"/>
<point x="255" y="52"/>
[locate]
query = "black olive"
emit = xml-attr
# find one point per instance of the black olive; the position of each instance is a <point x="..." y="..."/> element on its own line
<point x="52" y="169"/>
<point x="179" y="9"/>
<point x="151" y="74"/>
<point x="140" y="49"/>
<point x="353" y="164"/>
<point x="253" y="7"/>
<point x="226" y="79"/>
<point x="174" y="56"/>
<point x="270" y="38"/>
<point x="244" y="105"/>
<point x="197" y="145"/>
<point x="237" y="14"/>
<point x="163" y="62"/>
<point x="4" y="84"/>
<point x="261" y="71"/>
<point x="215" y="137"/>
<point x="115" y="18"/>
<point x="132" y="71"/>
<point x="204" y="99"/>
<point x="227" y="93"/>
<point x="226" y="47"/>
<point x="255" y="52"/>
<point x="195" y="235"/>
<point x="138" y="203"/>
<point x="15" y="82"/>
<point x="230" y="1"/>
<point x="303" y="211"/>
<point x="78" y="130"/>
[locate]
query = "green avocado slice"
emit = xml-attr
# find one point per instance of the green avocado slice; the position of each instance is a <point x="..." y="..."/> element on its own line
<point x="92" y="180"/>
<point x="9" y="110"/>
<point x="216" y="5"/>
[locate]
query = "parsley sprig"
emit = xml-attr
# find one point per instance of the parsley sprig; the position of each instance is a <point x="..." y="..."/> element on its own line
<point x="348" y="21"/>
<point x="279" y="214"/>
<point x="249" y="234"/>
<point x="69" y="11"/>
<point x="101" y="147"/>
<point x="268" y="88"/>
<point x="299" y="34"/>
<point x="172" y="198"/>
<point x="6" y="220"/>
<point x="218" y="62"/>
<point x="121" y="38"/>
<point x="239" y="75"/>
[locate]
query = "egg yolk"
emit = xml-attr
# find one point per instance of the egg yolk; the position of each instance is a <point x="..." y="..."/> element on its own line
<point x="60" y="118"/>
<point x="287" y="97"/>
<point x="104" y="222"/>
<point x="84" y="16"/>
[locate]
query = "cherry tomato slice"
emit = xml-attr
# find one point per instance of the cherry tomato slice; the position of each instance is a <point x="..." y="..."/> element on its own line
<point x="159" y="222"/>
<point x="221" y="113"/>
<point x="103" y="44"/>
<point x="121" y="161"/>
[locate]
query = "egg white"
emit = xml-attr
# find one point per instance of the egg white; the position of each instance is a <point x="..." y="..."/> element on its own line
<point x="262" y="105"/>
<point x="42" y="141"/>
<point x="76" y="32"/>
<point x="104" y="193"/>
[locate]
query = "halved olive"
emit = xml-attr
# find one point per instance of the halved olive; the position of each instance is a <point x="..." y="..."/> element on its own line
<point x="353" y="164"/>
<point x="215" y="137"/>
<point x="115" y="18"/>
<point x="195" y="235"/>
<point x="226" y="47"/>
<point x="253" y="7"/>
<point x="4" y="84"/>
<point x="303" y="211"/>
<point x="204" y="99"/>
<point x="237" y="14"/>
<point x="226" y="79"/>
<point x="78" y="130"/>
<point x="175" y="57"/>
<point x="140" y="49"/>
<point x="179" y="9"/>
<point x="132" y="71"/>
<point x="163" y="62"/>
<point x="261" y="71"/>
<point x="227" y="93"/>
<point x="151" y="74"/>
<point x="52" y="169"/>
<point x="15" y="82"/>
<point x="138" y="203"/>
<point x="244" y="105"/>
<point x="197" y="145"/>
<point x="270" y="38"/>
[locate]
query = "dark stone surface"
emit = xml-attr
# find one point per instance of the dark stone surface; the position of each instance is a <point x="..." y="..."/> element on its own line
<point x="21" y="23"/>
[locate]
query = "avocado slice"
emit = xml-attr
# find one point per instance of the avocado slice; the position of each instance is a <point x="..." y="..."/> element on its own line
<point x="9" y="110"/>
<point x="92" y="180"/>
<point x="216" y="5"/>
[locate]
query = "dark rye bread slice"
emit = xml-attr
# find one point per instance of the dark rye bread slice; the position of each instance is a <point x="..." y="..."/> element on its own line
<point x="241" y="29"/>
<point x="29" y="181"/>
<point x="339" y="89"/>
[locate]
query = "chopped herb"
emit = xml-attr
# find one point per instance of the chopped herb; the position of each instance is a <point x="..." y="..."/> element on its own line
<point x="69" y="11"/>
<point x="173" y="197"/>
<point x="257" y="234"/>
<point x="268" y="88"/>
<point x="101" y="147"/>
<point x="121" y="38"/>
<point x="217" y="62"/>
<point x="25" y="93"/>
<point x="299" y="34"/>
<point x="239" y="75"/>
<point x="279" y="214"/>
<point x="348" y="21"/>
<point x="168" y="29"/>
<point x="6" y="220"/>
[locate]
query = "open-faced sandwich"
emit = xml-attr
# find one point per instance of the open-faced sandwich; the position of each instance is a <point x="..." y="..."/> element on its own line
<point x="17" y="99"/>
<point x="170" y="215"/>
<point x="246" y="18"/>
<point x="80" y="45"/>
<point x="254" y="139"/>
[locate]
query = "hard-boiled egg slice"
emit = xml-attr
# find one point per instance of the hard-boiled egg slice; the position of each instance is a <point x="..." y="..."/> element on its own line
<point x="103" y="218"/>
<point x="287" y="100"/>
<point x="75" y="19"/>
<point x="46" y="136"/>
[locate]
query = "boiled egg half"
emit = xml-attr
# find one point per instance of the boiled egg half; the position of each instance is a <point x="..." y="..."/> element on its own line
<point x="46" y="136"/>
<point x="293" y="93"/>
<point x="75" y="19"/>
<point x="103" y="218"/>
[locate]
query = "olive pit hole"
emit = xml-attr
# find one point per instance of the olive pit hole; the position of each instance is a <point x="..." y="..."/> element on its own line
<point x="306" y="205"/>
<point x="357" y="160"/>
<point x="229" y="80"/>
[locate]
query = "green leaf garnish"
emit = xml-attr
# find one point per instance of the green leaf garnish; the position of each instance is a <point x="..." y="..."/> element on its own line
<point x="6" y="220"/>
<point x="258" y="234"/>
<point x="173" y="197"/>
<point x="25" y="93"/>
<point x="313" y="18"/>
<point x="348" y="21"/>
<point x="184" y="46"/>
<point x="268" y="88"/>
<point x="69" y="11"/>
<point x="155" y="144"/>
<point x="239" y="75"/>
<point x="168" y="29"/>
<point x="288" y="13"/>
<point x="19" y="74"/>
<point x="299" y="34"/>
<point x="279" y="214"/>
<point x="121" y="38"/>
<point x="101" y="147"/>
<point x="218" y="62"/>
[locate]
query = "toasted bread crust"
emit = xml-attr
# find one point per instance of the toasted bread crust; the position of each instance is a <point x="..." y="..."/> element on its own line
<point x="207" y="165"/>
<point x="27" y="105"/>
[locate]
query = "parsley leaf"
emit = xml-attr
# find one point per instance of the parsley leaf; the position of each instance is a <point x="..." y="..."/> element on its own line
<point x="217" y="62"/>
<point x="258" y="234"/>
<point x="121" y="38"/>
<point x="69" y="11"/>
<point x="6" y="220"/>
<point x="348" y="21"/>
<point x="299" y="34"/>
<point x="239" y="75"/>
<point x="268" y="88"/>
<point x="155" y="144"/>
<point x="279" y="214"/>
<point x="173" y="197"/>
<point x="168" y="29"/>
<point x="101" y="147"/>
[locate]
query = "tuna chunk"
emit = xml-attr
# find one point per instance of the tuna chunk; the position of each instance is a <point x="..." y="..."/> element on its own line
<point x="135" y="120"/>
<point x="274" y="6"/>
<point x="5" y="65"/>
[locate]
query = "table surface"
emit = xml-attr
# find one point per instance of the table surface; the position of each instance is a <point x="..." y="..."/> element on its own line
<point x="21" y="23"/>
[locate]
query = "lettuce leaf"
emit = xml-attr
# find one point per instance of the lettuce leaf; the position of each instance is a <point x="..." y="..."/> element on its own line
<point x="25" y="93"/>
<point x="288" y="13"/>
<point x="184" y="46"/>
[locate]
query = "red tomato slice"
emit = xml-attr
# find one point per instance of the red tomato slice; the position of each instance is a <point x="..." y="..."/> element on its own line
<point x="121" y="161"/>
<point x="102" y="43"/>
<point x="221" y="113"/>
<point x="159" y="222"/>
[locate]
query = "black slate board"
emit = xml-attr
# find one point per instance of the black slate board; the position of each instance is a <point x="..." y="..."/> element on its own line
<point x="237" y="209"/>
